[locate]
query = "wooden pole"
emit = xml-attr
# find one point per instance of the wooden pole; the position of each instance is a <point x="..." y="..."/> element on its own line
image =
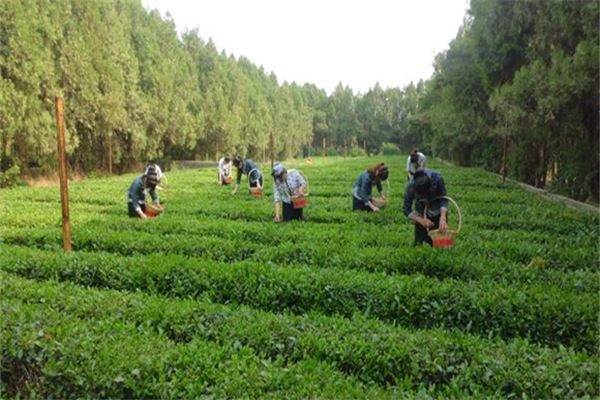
<point x="324" y="147"/>
<point x="504" y="155"/>
<point x="62" y="168"/>
<point x="110" y="153"/>
<point x="365" y="146"/>
<point x="271" y="155"/>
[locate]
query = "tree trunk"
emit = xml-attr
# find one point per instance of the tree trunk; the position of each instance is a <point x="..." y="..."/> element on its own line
<point x="110" y="150"/>
<point x="504" y="155"/>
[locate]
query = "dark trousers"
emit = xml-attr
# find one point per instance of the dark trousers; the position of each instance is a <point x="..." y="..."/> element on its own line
<point x="359" y="205"/>
<point x="131" y="209"/>
<point x="421" y="235"/>
<point x="290" y="213"/>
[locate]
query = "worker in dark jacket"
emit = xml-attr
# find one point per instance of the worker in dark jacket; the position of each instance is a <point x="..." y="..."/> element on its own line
<point x="136" y="195"/>
<point x="425" y="191"/>
<point x="249" y="168"/>
<point x="363" y="187"/>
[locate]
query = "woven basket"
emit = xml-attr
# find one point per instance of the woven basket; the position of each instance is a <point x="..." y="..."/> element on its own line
<point x="446" y="239"/>
<point x="152" y="211"/>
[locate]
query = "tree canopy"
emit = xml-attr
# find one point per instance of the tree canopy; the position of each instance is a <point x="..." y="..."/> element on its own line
<point x="136" y="90"/>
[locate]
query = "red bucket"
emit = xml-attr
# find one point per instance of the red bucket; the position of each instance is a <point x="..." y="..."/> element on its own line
<point x="152" y="212"/>
<point x="443" y="242"/>
<point x="445" y="239"/>
<point x="256" y="192"/>
<point x="300" y="202"/>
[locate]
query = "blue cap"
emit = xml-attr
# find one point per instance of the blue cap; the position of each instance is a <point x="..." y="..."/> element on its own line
<point x="277" y="170"/>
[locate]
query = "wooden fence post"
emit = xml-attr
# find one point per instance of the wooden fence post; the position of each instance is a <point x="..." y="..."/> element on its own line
<point x="62" y="169"/>
<point x="271" y="154"/>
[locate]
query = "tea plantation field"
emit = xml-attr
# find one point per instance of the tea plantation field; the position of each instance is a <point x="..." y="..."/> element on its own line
<point x="213" y="299"/>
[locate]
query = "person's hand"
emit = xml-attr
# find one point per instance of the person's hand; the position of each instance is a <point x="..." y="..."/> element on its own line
<point x="383" y="197"/>
<point x="426" y="222"/>
<point x="234" y="190"/>
<point x="375" y="209"/>
<point x="443" y="225"/>
<point x="143" y="216"/>
<point x="277" y="218"/>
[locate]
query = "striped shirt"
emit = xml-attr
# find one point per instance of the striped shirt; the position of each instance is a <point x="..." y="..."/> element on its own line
<point x="224" y="168"/>
<point x="290" y="187"/>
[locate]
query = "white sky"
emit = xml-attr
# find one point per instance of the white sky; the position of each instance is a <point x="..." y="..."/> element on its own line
<point x="359" y="43"/>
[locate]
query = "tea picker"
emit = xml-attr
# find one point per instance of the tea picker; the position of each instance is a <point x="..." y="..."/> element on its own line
<point x="224" y="171"/>
<point x="362" y="198"/>
<point x="250" y="169"/>
<point x="415" y="162"/>
<point x="290" y="193"/>
<point x="427" y="193"/>
<point x="136" y="195"/>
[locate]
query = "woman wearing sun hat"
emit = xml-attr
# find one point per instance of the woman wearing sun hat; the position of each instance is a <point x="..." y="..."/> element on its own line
<point x="289" y="185"/>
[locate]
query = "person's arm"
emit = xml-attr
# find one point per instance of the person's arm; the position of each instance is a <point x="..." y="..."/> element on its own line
<point x="238" y="181"/>
<point x="443" y="205"/>
<point x="276" y="194"/>
<point x="443" y="220"/>
<point x="154" y="196"/>
<point x="379" y="187"/>
<point x="409" y="198"/>
<point x="277" y="211"/>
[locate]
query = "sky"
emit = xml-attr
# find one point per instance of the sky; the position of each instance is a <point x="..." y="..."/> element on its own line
<point x="325" y="42"/>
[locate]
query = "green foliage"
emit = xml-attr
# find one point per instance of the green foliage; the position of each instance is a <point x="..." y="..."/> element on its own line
<point x="232" y="304"/>
<point x="390" y="149"/>
<point x="356" y="151"/>
<point x="528" y="70"/>
<point x="332" y="152"/>
<point x="11" y="177"/>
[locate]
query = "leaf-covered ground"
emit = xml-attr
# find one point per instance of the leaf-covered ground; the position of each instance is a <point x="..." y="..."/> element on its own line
<point x="214" y="299"/>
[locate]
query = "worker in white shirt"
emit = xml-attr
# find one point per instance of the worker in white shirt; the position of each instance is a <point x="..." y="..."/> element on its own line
<point x="415" y="162"/>
<point x="225" y="177"/>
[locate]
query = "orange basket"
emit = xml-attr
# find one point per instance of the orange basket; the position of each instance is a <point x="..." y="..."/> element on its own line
<point x="446" y="239"/>
<point x="152" y="211"/>
<point x="300" y="202"/>
<point x="256" y="191"/>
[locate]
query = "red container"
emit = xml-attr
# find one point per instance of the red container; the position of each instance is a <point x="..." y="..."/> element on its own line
<point x="443" y="242"/>
<point x="256" y="192"/>
<point x="300" y="202"/>
<point x="152" y="212"/>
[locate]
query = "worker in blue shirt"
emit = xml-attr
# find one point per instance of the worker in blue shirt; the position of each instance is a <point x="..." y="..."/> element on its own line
<point x="363" y="188"/>
<point x="136" y="195"/>
<point x="249" y="168"/>
<point x="425" y="191"/>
